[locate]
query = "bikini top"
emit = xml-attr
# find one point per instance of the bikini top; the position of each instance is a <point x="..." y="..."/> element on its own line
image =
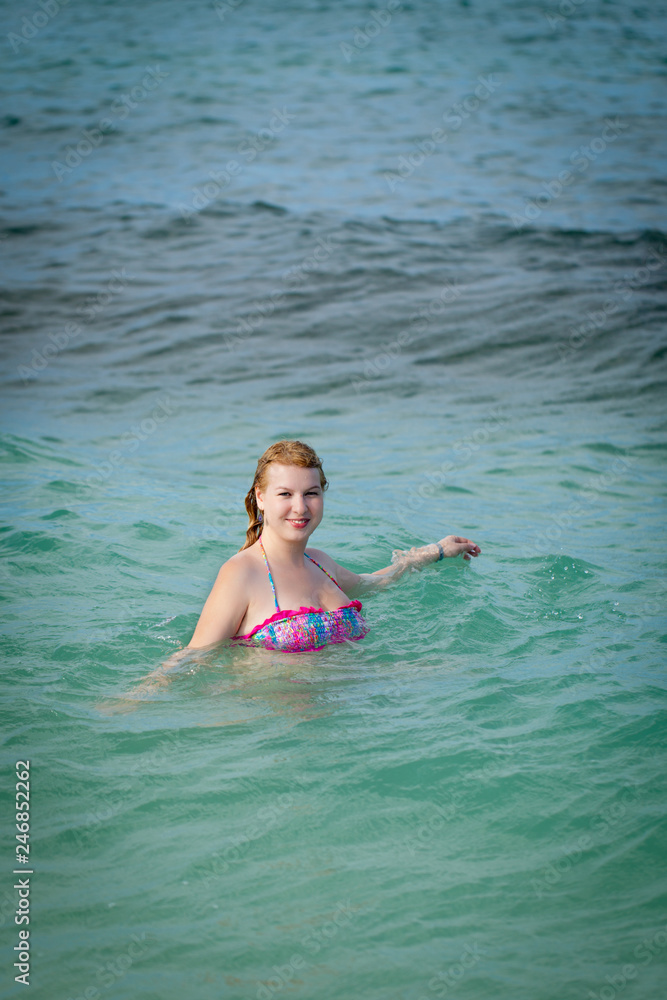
<point x="308" y="628"/>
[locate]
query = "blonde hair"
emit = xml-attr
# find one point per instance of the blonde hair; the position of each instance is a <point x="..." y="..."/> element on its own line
<point x="287" y="453"/>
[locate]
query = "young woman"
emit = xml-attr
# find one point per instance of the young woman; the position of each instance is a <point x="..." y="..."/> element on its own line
<point x="277" y="592"/>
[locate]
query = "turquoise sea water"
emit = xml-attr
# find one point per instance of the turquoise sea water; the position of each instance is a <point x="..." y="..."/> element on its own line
<point x="469" y="803"/>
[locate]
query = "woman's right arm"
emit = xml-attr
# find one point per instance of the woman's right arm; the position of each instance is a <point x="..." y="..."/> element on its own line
<point x="225" y="606"/>
<point x="221" y="616"/>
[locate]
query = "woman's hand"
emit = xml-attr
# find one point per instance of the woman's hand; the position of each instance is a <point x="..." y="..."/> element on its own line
<point x="150" y="685"/>
<point x="423" y="555"/>
<point x="454" y="545"/>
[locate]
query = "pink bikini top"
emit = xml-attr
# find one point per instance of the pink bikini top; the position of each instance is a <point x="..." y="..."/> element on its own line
<point x="308" y="628"/>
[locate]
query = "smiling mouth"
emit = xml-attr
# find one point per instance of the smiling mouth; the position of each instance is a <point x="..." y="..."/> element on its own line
<point x="299" y="522"/>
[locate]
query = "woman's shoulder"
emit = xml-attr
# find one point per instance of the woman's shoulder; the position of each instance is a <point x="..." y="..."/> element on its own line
<point x="321" y="557"/>
<point x="344" y="577"/>
<point x="239" y="567"/>
<point x="228" y="601"/>
<point x="316" y="553"/>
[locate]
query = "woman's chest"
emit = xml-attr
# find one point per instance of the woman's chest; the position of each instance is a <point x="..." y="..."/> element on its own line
<point x="301" y="591"/>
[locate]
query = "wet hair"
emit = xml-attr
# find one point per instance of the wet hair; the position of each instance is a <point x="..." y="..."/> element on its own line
<point x="286" y="453"/>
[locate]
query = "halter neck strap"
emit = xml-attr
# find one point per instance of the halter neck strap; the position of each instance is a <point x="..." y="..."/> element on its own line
<point x="266" y="563"/>
<point x="273" y="586"/>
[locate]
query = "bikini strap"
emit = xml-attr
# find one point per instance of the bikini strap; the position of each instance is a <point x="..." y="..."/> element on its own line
<point x="324" y="571"/>
<point x="266" y="563"/>
<point x="273" y="586"/>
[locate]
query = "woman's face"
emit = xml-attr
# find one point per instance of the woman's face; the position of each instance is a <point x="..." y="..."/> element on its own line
<point x="292" y="502"/>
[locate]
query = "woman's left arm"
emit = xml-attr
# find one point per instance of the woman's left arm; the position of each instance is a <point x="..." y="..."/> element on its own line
<point x="403" y="560"/>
